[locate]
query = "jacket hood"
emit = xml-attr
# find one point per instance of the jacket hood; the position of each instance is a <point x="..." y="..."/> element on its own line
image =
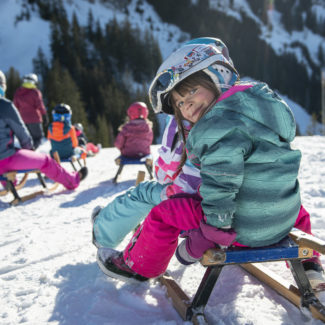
<point x="263" y="105"/>
<point x="138" y="125"/>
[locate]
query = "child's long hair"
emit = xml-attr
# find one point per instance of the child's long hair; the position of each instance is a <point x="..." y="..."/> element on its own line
<point x="198" y="78"/>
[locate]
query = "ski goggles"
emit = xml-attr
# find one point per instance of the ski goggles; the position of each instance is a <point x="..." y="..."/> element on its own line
<point x="193" y="60"/>
<point x="162" y="84"/>
<point x="61" y="117"/>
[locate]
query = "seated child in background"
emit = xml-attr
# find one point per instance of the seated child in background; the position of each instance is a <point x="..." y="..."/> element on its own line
<point x="83" y="141"/>
<point x="63" y="135"/>
<point x="11" y="158"/>
<point x="135" y="136"/>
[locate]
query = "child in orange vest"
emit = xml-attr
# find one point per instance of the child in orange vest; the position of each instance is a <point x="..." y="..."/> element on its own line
<point x="62" y="133"/>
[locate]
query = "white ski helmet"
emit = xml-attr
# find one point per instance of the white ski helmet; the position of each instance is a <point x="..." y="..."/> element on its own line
<point x="3" y="81"/>
<point x="31" y="77"/>
<point x="207" y="54"/>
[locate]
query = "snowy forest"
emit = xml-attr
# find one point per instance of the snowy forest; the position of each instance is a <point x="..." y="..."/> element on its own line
<point x="99" y="68"/>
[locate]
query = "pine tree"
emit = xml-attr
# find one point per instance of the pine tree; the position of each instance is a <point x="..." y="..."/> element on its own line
<point x="13" y="82"/>
<point x="103" y="134"/>
<point x="60" y="88"/>
<point x="41" y="66"/>
<point x="90" y="25"/>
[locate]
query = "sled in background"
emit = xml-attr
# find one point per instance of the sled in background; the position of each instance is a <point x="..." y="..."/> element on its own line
<point x="121" y="161"/>
<point x="10" y="178"/>
<point x="71" y="160"/>
<point x="293" y="249"/>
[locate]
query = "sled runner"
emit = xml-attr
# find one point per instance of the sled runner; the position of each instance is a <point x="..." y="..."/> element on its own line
<point x="10" y="178"/>
<point x="121" y="161"/>
<point x="293" y="249"/>
<point x="71" y="160"/>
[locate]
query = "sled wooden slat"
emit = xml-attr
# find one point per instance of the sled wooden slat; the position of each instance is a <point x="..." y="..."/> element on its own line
<point x="281" y="286"/>
<point x="303" y="239"/>
<point x="140" y="177"/>
<point x="179" y="298"/>
<point x="26" y="197"/>
<point x="121" y="161"/>
<point x="18" y="186"/>
<point x="10" y="177"/>
<point x="284" y="250"/>
<point x="274" y="281"/>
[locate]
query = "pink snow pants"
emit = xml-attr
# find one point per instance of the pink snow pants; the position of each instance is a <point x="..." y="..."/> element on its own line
<point x="28" y="159"/>
<point x="154" y="243"/>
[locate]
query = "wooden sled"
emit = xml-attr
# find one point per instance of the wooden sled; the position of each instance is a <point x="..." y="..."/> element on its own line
<point x="293" y="249"/>
<point x="20" y="185"/>
<point x="121" y="161"/>
<point x="72" y="160"/>
<point x="10" y="177"/>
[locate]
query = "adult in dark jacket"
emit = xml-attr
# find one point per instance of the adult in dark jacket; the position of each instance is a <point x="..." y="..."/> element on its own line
<point x="12" y="158"/>
<point x="29" y="101"/>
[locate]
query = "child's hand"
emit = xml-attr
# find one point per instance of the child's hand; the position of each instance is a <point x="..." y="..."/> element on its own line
<point x="223" y="237"/>
<point x="199" y="240"/>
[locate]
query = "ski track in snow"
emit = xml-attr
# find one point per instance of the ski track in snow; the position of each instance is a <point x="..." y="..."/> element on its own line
<point x="49" y="275"/>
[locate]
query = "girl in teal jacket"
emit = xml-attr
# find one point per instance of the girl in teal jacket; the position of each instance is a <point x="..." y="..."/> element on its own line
<point x="240" y="141"/>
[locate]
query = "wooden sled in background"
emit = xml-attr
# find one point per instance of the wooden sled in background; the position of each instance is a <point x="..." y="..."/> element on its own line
<point x="72" y="160"/>
<point x="10" y="178"/>
<point x="121" y="161"/>
<point x="293" y="249"/>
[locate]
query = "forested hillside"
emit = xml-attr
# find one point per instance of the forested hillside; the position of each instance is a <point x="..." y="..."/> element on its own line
<point x="252" y="55"/>
<point x="100" y="67"/>
<point x="98" y="70"/>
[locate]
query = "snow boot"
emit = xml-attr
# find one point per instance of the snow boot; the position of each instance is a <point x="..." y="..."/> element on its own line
<point x="83" y="172"/>
<point x="94" y="215"/>
<point x="111" y="262"/>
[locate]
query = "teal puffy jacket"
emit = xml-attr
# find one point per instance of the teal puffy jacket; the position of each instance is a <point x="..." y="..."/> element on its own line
<point x="248" y="169"/>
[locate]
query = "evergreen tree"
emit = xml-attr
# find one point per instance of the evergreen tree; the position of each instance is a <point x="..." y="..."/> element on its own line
<point x="40" y="64"/>
<point x="90" y="26"/>
<point x="320" y="55"/>
<point x="13" y="82"/>
<point x="60" y="88"/>
<point x="103" y="134"/>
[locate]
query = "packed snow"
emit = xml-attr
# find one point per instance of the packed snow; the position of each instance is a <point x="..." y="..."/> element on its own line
<point x="49" y="274"/>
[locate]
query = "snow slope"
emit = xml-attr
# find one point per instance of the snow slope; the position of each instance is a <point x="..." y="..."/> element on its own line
<point x="20" y="42"/>
<point x="49" y="275"/>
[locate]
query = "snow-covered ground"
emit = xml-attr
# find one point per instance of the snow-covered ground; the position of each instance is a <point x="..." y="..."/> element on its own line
<point x="49" y="275"/>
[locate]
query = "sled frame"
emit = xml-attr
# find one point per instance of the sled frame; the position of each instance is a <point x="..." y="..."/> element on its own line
<point x="10" y="177"/>
<point x="296" y="247"/>
<point x="72" y="160"/>
<point x="121" y="161"/>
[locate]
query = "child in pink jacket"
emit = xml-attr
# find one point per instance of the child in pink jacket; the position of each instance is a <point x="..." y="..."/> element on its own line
<point x="135" y="137"/>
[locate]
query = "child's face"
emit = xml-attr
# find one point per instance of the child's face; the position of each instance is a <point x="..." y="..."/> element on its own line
<point x="194" y="101"/>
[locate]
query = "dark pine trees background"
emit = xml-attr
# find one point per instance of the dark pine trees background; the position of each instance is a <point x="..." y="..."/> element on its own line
<point x="98" y="70"/>
<point x="252" y="56"/>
